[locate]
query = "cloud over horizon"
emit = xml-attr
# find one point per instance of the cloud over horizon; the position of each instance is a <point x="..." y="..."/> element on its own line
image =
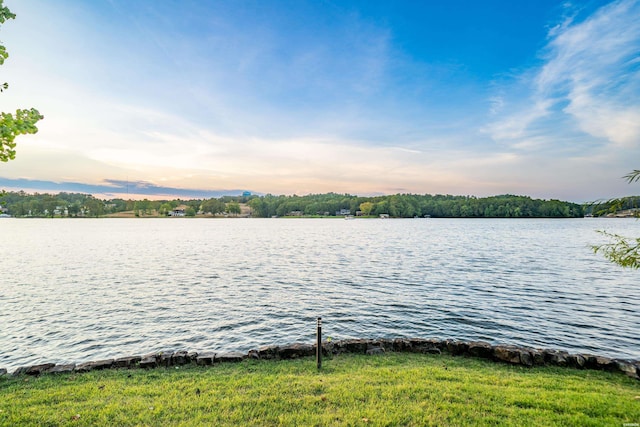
<point x="114" y="189"/>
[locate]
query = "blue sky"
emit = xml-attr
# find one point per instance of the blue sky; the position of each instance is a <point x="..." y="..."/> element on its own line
<point x="294" y="97"/>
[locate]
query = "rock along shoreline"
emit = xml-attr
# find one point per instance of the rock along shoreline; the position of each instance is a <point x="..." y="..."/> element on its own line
<point x="515" y="355"/>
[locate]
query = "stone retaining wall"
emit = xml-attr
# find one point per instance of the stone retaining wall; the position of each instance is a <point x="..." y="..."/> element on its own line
<point x="500" y="353"/>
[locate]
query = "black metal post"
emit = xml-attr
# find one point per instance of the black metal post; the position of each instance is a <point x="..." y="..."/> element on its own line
<point x="319" y="343"/>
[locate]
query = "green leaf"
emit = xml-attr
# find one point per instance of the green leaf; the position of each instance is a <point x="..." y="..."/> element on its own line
<point x="5" y="13"/>
<point x="3" y="54"/>
<point x="633" y="176"/>
<point x="24" y="122"/>
<point x="622" y="251"/>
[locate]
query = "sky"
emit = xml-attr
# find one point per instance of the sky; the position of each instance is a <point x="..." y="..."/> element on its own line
<point x="199" y="98"/>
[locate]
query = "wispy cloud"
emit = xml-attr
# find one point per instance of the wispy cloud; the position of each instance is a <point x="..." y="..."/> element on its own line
<point x="590" y="75"/>
<point x="517" y="126"/>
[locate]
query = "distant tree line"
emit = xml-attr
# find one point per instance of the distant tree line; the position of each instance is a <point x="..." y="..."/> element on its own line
<point x="330" y="204"/>
<point x="49" y="205"/>
<point x="22" y="204"/>
<point x="412" y="205"/>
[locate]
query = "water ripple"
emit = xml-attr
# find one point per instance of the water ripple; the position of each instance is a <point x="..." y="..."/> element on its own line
<point x="88" y="290"/>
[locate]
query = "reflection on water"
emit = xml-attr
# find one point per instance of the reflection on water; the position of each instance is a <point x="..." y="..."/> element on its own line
<point x="77" y="290"/>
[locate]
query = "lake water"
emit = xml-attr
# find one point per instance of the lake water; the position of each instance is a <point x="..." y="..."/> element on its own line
<point x="89" y="289"/>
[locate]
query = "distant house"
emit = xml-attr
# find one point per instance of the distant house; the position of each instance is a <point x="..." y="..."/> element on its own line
<point x="61" y="210"/>
<point x="342" y="212"/>
<point x="179" y="211"/>
<point x="384" y="216"/>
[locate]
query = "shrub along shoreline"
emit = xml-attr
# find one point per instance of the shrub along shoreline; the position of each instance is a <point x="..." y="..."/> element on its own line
<point x="390" y="388"/>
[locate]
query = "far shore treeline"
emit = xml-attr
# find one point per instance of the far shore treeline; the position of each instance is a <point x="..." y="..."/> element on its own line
<point x="21" y="204"/>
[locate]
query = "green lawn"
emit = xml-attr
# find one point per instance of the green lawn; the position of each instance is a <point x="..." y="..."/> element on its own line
<point x="395" y="389"/>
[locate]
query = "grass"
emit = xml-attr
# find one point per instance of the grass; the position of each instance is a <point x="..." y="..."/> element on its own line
<point x="397" y="389"/>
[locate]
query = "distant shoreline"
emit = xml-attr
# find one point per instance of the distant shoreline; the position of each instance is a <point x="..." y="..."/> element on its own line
<point x="310" y="206"/>
<point x="144" y="217"/>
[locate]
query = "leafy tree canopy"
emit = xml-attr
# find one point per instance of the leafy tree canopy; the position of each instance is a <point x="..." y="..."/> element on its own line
<point x="624" y="251"/>
<point x="23" y="121"/>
